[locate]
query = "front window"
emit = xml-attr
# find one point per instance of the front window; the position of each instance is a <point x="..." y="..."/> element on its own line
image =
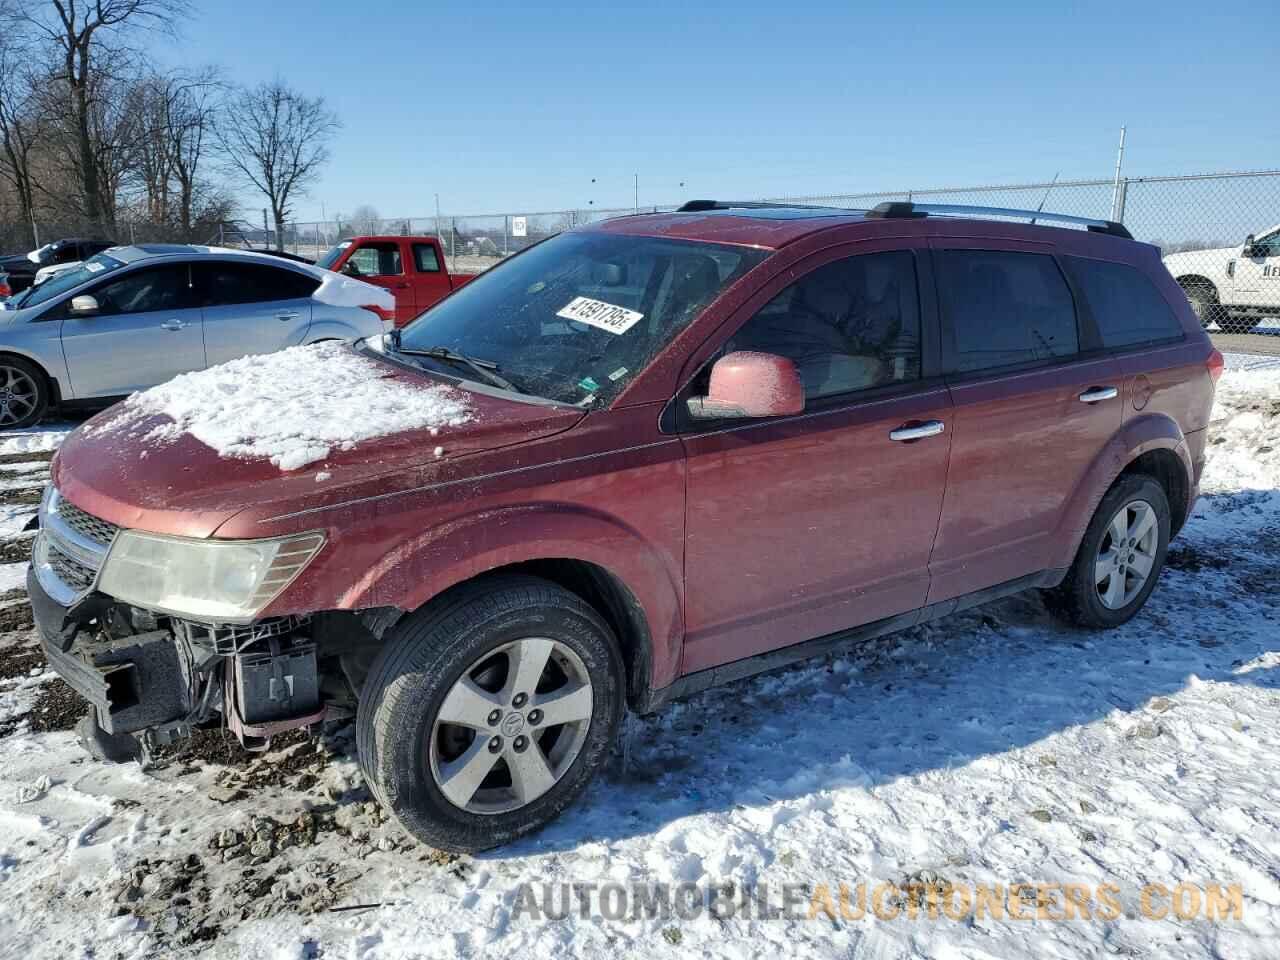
<point x="577" y="317"/>
<point x="334" y="254"/>
<point x="92" y="269"/>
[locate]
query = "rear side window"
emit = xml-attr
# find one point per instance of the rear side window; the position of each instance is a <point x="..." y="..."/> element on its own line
<point x="231" y="283"/>
<point x="424" y="257"/>
<point x="1128" y="308"/>
<point x="1003" y="309"/>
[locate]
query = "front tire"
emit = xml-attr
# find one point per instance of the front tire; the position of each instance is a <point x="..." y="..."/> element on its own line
<point x="487" y="714"/>
<point x="1120" y="557"/>
<point x="24" y="393"/>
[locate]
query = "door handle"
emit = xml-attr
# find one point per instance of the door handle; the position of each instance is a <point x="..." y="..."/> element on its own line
<point x="287" y="315"/>
<point x="173" y="325"/>
<point x="905" y="434"/>
<point x="1096" y="394"/>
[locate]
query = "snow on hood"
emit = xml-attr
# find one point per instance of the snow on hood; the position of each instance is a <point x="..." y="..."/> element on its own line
<point x="37" y="256"/>
<point x="291" y="407"/>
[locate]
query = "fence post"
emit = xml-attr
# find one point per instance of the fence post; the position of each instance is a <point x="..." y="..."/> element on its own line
<point x="1122" y="194"/>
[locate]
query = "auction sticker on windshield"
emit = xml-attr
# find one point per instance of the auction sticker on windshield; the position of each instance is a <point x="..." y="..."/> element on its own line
<point x="597" y="313"/>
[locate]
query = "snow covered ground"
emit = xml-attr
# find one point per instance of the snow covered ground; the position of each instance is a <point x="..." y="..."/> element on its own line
<point x="991" y="748"/>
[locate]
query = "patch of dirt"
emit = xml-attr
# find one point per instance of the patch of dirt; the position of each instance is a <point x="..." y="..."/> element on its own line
<point x="16" y="662"/>
<point x="1191" y="559"/>
<point x="58" y="707"/>
<point x="16" y="616"/>
<point x="28" y="475"/>
<point x="15" y="549"/>
<point x="17" y="593"/>
<point x="24" y="496"/>
<point x="32" y="457"/>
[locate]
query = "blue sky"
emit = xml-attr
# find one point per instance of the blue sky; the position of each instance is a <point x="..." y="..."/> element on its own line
<point x="517" y="106"/>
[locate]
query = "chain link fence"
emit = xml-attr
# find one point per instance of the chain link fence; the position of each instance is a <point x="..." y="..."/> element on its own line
<point x="1205" y="217"/>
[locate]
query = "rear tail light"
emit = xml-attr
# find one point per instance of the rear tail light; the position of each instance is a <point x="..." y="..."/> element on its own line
<point x="5" y="291"/>
<point x="1216" y="364"/>
<point x="385" y="315"/>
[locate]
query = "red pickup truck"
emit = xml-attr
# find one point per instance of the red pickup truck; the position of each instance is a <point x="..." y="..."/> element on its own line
<point x="412" y="268"/>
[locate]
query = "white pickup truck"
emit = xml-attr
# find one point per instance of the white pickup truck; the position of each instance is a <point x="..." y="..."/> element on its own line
<point x="1235" y="286"/>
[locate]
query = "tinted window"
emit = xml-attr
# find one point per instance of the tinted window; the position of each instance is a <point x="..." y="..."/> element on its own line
<point x="145" y="291"/>
<point x="1001" y="309"/>
<point x="227" y="283"/>
<point x="850" y="325"/>
<point x="424" y="255"/>
<point x="374" y="260"/>
<point x="1126" y="305"/>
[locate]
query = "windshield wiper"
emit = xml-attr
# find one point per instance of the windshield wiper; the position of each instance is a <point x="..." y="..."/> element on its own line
<point x="486" y="369"/>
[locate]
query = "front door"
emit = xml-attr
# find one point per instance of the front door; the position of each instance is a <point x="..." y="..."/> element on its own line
<point x="147" y="330"/>
<point x="252" y="308"/>
<point x="1031" y="414"/>
<point x="379" y="262"/>
<point x="802" y="526"/>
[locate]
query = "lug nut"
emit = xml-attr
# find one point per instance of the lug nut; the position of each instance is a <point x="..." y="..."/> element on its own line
<point x="495" y="744"/>
<point x="520" y="700"/>
<point x="494" y="717"/>
<point x="520" y="744"/>
<point x="535" y="717"/>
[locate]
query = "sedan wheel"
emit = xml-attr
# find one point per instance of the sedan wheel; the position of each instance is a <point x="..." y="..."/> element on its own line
<point x="511" y="726"/>
<point x="1127" y="554"/>
<point x="23" y="397"/>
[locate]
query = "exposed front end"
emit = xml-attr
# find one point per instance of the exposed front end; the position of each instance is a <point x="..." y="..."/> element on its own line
<point x="161" y="634"/>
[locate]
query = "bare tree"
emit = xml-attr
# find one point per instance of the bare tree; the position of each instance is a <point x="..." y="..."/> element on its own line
<point x="22" y="126"/>
<point x="79" y="31"/>
<point x="366" y="220"/>
<point x="277" y="139"/>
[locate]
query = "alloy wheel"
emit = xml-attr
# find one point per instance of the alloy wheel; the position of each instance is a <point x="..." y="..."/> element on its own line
<point x="18" y="395"/>
<point x="1127" y="554"/>
<point x="511" y="726"/>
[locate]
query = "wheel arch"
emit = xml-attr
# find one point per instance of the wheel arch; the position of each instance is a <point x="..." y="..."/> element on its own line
<point x="1152" y="444"/>
<point x="592" y="555"/>
<point x="1197" y="280"/>
<point x="55" y="388"/>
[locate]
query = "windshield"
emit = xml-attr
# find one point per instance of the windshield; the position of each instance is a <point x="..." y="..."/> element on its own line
<point x="577" y="317"/>
<point x="68" y="280"/>
<point x="333" y="255"/>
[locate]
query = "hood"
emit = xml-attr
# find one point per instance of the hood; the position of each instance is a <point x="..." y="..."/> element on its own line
<point x="138" y="467"/>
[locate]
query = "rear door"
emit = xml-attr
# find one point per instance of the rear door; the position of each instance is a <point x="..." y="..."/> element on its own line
<point x="430" y="281"/>
<point x="805" y="525"/>
<point x="252" y="307"/>
<point x="1035" y="405"/>
<point x="147" y="330"/>
<point x="381" y="263"/>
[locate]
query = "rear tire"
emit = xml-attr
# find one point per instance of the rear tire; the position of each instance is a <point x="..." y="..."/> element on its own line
<point x="24" y="393"/>
<point x="1113" y="575"/>
<point x="450" y="729"/>
<point x="1204" y="302"/>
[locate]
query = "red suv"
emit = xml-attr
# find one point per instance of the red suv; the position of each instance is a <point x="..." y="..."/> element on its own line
<point x="637" y="459"/>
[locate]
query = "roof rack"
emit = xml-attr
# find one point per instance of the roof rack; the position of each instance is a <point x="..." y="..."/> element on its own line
<point x="697" y="206"/>
<point x="905" y="210"/>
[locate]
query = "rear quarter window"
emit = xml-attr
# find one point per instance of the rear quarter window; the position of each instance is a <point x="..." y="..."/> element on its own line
<point x="1126" y="305"/>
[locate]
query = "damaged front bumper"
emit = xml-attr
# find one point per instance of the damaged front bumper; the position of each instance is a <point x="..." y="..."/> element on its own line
<point x="156" y="677"/>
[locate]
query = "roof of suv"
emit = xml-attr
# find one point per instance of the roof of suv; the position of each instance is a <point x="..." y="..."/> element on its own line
<point x="775" y="225"/>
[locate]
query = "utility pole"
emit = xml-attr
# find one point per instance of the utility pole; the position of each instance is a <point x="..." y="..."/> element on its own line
<point x="266" y="234"/>
<point x="637" y="207"/>
<point x="1118" y="191"/>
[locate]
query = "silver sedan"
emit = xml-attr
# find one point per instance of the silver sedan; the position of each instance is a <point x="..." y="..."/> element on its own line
<point x="132" y="317"/>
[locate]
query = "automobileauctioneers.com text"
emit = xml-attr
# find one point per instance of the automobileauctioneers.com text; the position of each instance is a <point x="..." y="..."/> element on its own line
<point x="941" y="901"/>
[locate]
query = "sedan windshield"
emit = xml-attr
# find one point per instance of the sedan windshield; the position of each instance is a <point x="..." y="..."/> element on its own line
<point x="575" y="318"/>
<point x="59" y="283"/>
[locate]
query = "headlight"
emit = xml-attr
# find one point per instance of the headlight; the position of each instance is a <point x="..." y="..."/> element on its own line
<point x="218" y="580"/>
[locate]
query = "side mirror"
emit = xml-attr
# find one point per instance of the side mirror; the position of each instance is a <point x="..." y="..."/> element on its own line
<point x="1248" y="250"/>
<point x="84" y="306"/>
<point x="750" y="384"/>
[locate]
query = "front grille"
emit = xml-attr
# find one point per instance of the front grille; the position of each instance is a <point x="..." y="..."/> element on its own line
<point x="69" y="570"/>
<point x="86" y="524"/>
